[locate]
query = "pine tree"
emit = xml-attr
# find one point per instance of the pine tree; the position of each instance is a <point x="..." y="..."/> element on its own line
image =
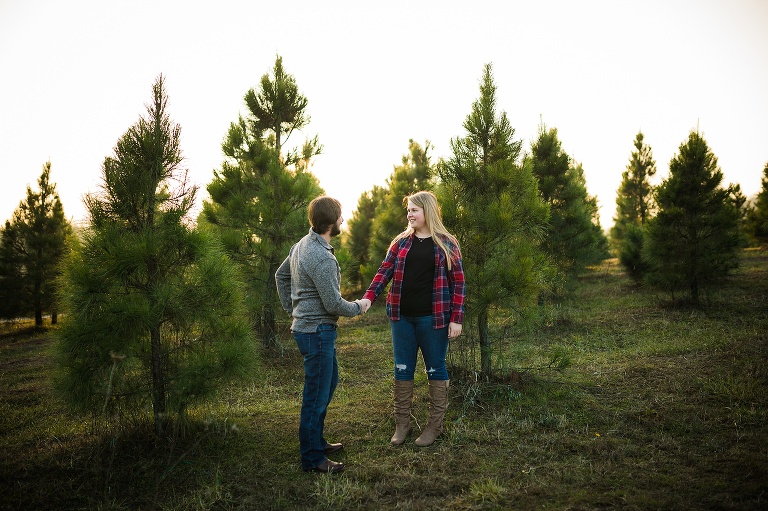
<point x="278" y="107"/>
<point x="693" y="241"/>
<point x="757" y="216"/>
<point x="490" y="202"/>
<point x="15" y="299"/>
<point x="33" y="244"/>
<point x="634" y="206"/>
<point x="154" y="307"/>
<point x="389" y="219"/>
<point x="259" y="197"/>
<point x="574" y="239"/>
<point x="634" y="201"/>
<point x="357" y="239"/>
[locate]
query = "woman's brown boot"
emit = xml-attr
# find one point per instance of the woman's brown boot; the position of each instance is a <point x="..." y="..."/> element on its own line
<point x="403" y="397"/>
<point x="438" y="403"/>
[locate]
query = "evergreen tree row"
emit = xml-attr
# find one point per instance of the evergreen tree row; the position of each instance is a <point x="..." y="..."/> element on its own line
<point x="161" y="310"/>
<point x="683" y="235"/>
<point x="525" y="223"/>
<point x="32" y="244"/>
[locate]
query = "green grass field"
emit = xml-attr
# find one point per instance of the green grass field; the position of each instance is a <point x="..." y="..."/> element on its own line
<point x="661" y="407"/>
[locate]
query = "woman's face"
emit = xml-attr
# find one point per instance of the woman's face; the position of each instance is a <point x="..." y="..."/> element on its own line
<point x="415" y="216"/>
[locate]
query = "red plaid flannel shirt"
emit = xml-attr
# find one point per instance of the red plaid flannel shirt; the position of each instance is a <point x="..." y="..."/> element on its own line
<point x="448" y="292"/>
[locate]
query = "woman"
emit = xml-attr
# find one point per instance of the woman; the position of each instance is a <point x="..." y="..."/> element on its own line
<point x="425" y="305"/>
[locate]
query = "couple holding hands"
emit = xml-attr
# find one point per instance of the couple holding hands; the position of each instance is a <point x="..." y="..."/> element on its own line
<point x="425" y="306"/>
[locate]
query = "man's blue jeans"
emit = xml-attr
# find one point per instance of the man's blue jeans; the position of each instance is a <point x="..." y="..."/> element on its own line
<point x="321" y="375"/>
<point x="411" y="334"/>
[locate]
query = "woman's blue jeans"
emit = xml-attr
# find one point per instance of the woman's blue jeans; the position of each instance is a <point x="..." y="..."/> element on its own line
<point x="321" y="375"/>
<point x="411" y="334"/>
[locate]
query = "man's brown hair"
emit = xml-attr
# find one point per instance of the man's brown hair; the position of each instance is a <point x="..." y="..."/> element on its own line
<point x="324" y="212"/>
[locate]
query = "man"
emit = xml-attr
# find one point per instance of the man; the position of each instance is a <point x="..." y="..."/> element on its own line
<point x="309" y="285"/>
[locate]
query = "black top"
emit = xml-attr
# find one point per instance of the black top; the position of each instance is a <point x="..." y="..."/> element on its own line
<point x="418" y="275"/>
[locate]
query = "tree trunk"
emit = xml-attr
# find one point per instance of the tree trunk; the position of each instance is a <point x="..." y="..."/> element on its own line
<point x="156" y="351"/>
<point x="693" y="264"/>
<point x="695" y="290"/>
<point x="158" y="381"/>
<point x="38" y="304"/>
<point x="485" y="341"/>
<point x="268" y="325"/>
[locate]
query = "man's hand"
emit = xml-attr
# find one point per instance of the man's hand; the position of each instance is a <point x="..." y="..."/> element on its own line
<point x="454" y="330"/>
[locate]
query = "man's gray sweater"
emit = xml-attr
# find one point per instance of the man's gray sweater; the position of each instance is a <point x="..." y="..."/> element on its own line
<point x="309" y="285"/>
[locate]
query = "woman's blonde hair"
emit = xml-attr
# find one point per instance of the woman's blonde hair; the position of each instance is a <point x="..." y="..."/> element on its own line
<point x="427" y="201"/>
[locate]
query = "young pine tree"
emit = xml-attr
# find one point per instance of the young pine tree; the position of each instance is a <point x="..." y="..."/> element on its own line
<point x="32" y="246"/>
<point x="693" y="241"/>
<point x="574" y="239"/>
<point x="154" y="309"/>
<point x="357" y="239"/>
<point x="757" y="216"/>
<point x="389" y="219"/>
<point x="491" y="204"/>
<point x="634" y="206"/>
<point x="14" y="299"/>
<point x="259" y="198"/>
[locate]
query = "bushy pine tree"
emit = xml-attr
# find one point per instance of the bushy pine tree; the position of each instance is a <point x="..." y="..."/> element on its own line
<point x="357" y="238"/>
<point x="634" y="206"/>
<point x="32" y="245"/>
<point x="389" y="219"/>
<point x="490" y="202"/>
<point x="259" y="198"/>
<point x="574" y="239"/>
<point x="757" y="215"/>
<point x="692" y="243"/>
<point x="154" y="309"/>
<point x="634" y="201"/>
<point x="631" y="252"/>
<point x="380" y="214"/>
<point x="14" y="300"/>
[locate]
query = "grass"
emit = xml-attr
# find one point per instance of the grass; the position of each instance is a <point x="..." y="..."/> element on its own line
<point x="661" y="406"/>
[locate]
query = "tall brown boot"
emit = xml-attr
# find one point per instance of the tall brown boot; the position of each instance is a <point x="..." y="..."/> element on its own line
<point x="438" y="402"/>
<point x="403" y="399"/>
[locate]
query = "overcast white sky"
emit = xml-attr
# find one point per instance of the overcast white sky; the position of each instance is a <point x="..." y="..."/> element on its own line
<point x="75" y="75"/>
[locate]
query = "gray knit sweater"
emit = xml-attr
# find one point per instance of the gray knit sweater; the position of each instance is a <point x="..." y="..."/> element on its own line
<point x="309" y="283"/>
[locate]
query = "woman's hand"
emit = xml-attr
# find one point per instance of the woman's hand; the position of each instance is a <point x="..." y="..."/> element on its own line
<point x="454" y="330"/>
<point x="365" y="304"/>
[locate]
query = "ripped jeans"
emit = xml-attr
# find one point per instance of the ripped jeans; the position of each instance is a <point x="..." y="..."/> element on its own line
<point x="411" y="334"/>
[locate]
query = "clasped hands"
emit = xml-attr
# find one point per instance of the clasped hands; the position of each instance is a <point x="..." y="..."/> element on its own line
<point x="364" y="304"/>
<point x="454" y="329"/>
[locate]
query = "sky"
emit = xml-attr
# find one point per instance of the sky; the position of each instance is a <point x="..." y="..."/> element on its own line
<point x="75" y="75"/>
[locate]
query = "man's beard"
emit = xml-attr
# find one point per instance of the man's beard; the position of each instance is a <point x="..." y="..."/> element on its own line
<point x="335" y="230"/>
